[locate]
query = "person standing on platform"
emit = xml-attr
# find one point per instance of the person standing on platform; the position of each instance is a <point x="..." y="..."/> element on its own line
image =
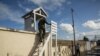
<point x="41" y="28"/>
<point x="77" y="50"/>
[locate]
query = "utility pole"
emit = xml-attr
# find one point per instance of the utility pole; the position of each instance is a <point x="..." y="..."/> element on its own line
<point x="73" y="31"/>
<point x="95" y="38"/>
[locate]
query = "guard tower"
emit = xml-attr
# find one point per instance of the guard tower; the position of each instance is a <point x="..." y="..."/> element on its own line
<point x="31" y="17"/>
<point x="30" y="20"/>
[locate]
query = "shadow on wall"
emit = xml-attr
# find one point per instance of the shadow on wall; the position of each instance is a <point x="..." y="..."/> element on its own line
<point x="36" y="43"/>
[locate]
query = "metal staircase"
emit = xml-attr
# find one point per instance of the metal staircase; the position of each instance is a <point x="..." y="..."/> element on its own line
<point x="41" y="47"/>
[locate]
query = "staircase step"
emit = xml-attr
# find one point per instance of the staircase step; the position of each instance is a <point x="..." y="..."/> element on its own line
<point x="35" y="55"/>
<point x="39" y="45"/>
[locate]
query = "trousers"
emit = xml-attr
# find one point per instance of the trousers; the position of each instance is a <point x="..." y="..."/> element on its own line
<point x="41" y="33"/>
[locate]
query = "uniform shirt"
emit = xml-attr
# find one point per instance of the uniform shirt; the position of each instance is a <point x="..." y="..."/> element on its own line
<point x="42" y="22"/>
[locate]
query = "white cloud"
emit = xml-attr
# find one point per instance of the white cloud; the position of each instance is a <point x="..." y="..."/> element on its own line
<point x="83" y="33"/>
<point x="53" y="2"/>
<point x="66" y="27"/>
<point x="94" y="32"/>
<point x="92" y="24"/>
<point x="70" y="37"/>
<point x="7" y="13"/>
<point x="39" y="2"/>
<point x="49" y="4"/>
<point x="98" y="20"/>
<point x="23" y="7"/>
<point x="91" y="34"/>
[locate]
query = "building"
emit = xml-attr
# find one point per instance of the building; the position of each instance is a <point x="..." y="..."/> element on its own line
<point x="26" y="42"/>
<point x="31" y="18"/>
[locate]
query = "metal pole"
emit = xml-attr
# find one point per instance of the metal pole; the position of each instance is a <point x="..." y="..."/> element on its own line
<point x="73" y="30"/>
<point x="95" y="38"/>
<point x="34" y="21"/>
<point x="50" y="54"/>
<point x="54" y="32"/>
<point x="56" y="46"/>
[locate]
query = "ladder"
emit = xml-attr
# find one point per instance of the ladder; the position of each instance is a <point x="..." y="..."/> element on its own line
<point x="39" y="51"/>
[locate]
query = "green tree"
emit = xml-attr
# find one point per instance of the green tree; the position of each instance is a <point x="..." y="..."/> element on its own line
<point x="85" y="38"/>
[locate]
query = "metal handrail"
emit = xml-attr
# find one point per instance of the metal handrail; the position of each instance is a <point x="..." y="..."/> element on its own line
<point x="52" y="28"/>
<point x="41" y="53"/>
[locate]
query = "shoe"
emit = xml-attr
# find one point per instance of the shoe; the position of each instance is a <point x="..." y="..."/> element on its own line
<point x="40" y="40"/>
<point x="43" y="37"/>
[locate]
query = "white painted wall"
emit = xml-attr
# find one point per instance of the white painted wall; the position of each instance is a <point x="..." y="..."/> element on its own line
<point x="16" y="43"/>
<point x="88" y="45"/>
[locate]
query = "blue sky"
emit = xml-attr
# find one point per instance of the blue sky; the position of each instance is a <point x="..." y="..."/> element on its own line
<point x="86" y="15"/>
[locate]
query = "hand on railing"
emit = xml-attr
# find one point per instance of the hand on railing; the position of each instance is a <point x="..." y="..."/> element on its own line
<point x="48" y="28"/>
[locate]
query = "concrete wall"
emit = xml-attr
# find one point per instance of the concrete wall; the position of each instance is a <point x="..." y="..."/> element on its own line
<point x="23" y="43"/>
<point x="17" y="43"/>
<point x="65" y="47"/>
<point x="66" y="50"/>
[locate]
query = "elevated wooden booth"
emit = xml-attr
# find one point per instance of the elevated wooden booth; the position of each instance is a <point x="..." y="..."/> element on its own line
<point x="31" y="18"/>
